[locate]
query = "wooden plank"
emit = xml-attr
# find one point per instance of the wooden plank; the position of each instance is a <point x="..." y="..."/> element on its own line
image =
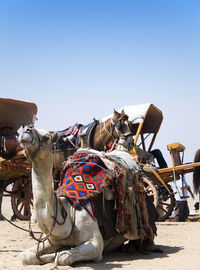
<point x="167" y="173"/>
<point x="182" y="167"/>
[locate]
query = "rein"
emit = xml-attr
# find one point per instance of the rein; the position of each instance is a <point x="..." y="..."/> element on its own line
<point x="52" y="225"/>
<point x="54" y="222"/>
<point x="113" y="126"/>
<point x="18" y="227"/>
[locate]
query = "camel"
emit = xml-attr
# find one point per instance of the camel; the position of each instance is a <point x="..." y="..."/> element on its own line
<point x="71" y="235"/>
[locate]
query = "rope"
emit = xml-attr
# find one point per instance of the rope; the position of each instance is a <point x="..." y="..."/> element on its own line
<point x="109" y="133"/>
<point x="16" y="225"/>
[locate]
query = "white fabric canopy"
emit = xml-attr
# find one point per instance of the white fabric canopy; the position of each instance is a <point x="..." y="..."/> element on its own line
<point x="147" y="113"/>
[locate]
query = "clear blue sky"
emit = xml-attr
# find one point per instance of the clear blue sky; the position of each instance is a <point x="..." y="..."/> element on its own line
<point x="80" y="59"/>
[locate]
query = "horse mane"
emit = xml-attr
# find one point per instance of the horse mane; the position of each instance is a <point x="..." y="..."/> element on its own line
<point x="196" y="174"/>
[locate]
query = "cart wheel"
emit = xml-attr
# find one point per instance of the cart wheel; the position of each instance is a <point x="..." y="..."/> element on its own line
<point x="166" y="203"/>
<point x="151" y="190"/>
<point x="22" y="198"/>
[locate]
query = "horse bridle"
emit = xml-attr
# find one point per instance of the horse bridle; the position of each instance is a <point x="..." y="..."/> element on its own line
<point x="114" y="125"/>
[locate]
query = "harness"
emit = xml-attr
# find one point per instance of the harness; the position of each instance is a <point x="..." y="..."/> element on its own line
<point x="114" y="126"/>
<point x="70" y="138"/>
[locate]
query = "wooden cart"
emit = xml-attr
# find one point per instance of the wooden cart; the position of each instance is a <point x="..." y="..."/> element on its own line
<point x="146" y="120"/>
<point x="15" y="172"/>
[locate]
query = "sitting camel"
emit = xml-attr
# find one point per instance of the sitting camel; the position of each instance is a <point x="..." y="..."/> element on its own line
<point x="71" y="235"/>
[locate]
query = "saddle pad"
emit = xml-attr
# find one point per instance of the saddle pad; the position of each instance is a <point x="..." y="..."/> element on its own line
<point x="84" y="177"/>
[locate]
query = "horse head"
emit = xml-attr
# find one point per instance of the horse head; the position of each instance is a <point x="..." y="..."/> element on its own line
<point x="118" y="127"/>
<point x="120" y="124"/>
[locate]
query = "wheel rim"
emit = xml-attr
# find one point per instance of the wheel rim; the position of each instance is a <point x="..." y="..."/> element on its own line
<point x="166" y="203"/>
<point x="151" y="190"/>
<point x="22" y="198"/>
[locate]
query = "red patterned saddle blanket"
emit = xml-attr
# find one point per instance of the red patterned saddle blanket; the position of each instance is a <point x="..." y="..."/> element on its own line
<point x="82" y="179"/>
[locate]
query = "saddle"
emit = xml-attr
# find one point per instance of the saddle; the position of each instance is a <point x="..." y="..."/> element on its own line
<point x="71" y="137"/>
<point x="85" y="178"/>
<point x="88" y="131"/>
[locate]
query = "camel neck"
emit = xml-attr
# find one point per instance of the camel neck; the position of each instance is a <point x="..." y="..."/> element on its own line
<point x="43" y="192"/>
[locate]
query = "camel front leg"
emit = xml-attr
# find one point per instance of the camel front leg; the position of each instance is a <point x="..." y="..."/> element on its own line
<point x="90" y="250"/>
<point x="46" y="254"/>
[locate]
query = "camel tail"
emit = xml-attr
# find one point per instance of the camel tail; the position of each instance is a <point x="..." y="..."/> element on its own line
<point x="196" y="174"/>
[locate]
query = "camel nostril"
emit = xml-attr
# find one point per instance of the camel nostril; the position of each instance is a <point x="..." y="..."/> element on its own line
<point x="28" y="128"/>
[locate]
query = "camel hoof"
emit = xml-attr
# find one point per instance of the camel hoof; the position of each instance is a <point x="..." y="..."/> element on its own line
<point x="26" y="258"/>
<point x="29" y="258"/>
<point x="63" y="258"/>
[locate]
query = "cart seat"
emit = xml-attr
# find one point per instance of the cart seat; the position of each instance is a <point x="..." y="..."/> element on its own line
<point x="175" y="149"/>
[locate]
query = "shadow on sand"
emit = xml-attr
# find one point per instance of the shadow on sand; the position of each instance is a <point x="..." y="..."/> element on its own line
<point x="119" y="257"/>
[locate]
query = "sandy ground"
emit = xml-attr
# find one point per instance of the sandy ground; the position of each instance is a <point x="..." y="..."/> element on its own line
<point x="180" y="242"/>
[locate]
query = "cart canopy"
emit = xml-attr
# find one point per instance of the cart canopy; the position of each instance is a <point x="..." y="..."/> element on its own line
<point x="17" y="113"/>
<point x="148" y="114"/>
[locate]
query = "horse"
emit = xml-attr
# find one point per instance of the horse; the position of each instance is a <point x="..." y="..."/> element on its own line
<point x="196" y="174"/>
<point x="97" y="136"/>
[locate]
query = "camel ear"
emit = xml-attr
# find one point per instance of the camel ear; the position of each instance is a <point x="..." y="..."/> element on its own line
<point x="55" y="137"/>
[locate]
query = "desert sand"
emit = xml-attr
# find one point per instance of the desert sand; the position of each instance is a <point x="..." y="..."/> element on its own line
<point x="179" y="241"/>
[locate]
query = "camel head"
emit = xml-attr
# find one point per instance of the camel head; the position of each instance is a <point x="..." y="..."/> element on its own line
<point x="37" y="142"/>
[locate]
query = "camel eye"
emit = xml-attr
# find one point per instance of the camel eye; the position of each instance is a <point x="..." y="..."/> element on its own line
<point x="45" y="138"/>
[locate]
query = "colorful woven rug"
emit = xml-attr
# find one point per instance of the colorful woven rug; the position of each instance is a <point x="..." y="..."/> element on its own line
<point x="85" y="176"/>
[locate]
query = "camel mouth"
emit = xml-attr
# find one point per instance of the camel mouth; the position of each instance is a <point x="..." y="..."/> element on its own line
<point x="25" y="138"/>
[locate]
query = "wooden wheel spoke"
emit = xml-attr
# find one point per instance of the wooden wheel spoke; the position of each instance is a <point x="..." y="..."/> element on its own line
<point x="21" y="207"/>
<point x="19" y="201"/>
<point x="162" y="208"/>
<point x="167" y="204"/>
<point x="22" y="200"/>
<point x="162" y="192"/>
